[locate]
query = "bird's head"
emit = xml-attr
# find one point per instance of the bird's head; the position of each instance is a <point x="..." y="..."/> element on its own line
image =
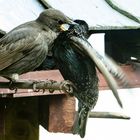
<point x="54" y="19"/>
<point x="83" y="27"/>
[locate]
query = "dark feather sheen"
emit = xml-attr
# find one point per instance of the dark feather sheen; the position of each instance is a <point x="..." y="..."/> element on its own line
<point x="79" y="69"/>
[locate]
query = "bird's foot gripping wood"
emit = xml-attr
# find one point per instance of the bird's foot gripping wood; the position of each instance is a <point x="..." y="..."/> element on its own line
<point x="37" y="85"/>
<point x="13" y="78"/>
<point x="67" y="86"/>
<point x="35" y="88"/>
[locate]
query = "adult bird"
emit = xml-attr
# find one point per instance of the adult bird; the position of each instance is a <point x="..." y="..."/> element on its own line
<point x="25" y="47"/>
<point x="76" y="64"/>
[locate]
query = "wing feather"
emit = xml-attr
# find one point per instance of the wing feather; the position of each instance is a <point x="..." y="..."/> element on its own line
<point x="17" y="43"/>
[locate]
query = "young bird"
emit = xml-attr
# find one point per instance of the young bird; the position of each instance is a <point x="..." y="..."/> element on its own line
<point x="25" y="47"/>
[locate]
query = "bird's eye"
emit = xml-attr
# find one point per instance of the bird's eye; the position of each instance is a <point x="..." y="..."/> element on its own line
<point x="60" y="22"/>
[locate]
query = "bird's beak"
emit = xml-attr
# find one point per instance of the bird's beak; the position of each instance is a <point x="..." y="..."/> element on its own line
<point x="85" y="47"/>
<point x="65" y="27"/>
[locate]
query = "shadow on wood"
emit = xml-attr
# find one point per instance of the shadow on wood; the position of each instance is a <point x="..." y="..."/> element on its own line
<point x="2" y="115"/>
<point x="21" y="119"/>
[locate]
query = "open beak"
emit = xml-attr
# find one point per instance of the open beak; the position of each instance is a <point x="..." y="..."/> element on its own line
<point x="86" y="47"/>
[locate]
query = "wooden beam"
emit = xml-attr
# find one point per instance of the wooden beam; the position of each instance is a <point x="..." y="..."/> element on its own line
<point x="37" y="86"/>
<point x="61" y="113"/>
<point x="37" y="75"/>
<point x="132" y="72"/>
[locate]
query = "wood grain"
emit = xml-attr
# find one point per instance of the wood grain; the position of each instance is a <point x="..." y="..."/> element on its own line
<point x="61" y="113"/>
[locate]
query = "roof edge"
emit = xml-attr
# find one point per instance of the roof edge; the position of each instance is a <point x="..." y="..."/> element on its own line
<point x="122" y="11"/>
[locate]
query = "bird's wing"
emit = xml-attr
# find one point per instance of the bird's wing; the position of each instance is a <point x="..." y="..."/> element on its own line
<point x="17" y="43"/>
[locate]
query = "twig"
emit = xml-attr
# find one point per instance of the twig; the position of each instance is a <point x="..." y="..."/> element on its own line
<point x="112" y="115"/>
<point x="65" y="86"/>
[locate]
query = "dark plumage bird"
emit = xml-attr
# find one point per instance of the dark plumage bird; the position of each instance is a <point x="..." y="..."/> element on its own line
<point x="25" y="47"/>
<point x="80" y="70"/>
<point x="77" y="62"/>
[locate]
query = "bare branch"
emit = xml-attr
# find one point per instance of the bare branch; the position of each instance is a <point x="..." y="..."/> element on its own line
<point x="112" y="115"/>
<point x="50" y="85"/>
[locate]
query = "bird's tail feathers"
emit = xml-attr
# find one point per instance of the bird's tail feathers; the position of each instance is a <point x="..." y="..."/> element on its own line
<point x="80" y="123"/>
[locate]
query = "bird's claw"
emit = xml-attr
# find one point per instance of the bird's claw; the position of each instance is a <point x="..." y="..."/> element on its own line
<point x="34" y="87"/>
<point x="52" y="90"/>
<point x="12" y="87"/>
<point x="67" y="86"/>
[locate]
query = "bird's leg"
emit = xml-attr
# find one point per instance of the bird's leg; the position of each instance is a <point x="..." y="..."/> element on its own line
<point x="68" y="87"/>
<point x="14" y="77"/>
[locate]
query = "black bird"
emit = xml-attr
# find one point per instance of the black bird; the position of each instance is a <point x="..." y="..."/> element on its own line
<point x="75" y="64"/>
<point x="80" y="70"/>
<point x="25" y="47"/>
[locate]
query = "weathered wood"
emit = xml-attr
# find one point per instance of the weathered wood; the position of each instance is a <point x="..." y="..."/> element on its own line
<point x="50" y="85"/>
<point x="133" y="74"/>
<point x="21" y="119"/>
<point x="36" y="76"/>
<point x="133" y="77"/>
<point x="61" y="113"/>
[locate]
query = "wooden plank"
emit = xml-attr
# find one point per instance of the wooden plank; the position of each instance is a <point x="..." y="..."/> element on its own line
<point x="61" y="113"/>
<point x="21" y="119"/>
<point x="37" y="75"/>
<point x="132" y="73"/>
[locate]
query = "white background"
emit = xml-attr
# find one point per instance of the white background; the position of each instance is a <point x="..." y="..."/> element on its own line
<point x="108" y="129"/>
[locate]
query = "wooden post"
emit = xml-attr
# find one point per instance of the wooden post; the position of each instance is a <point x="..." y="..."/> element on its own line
<point x="21" y="119"/>
<point x="44" y="111"/>
<point x="2" y="114"/>
<point x="61" y="113"/>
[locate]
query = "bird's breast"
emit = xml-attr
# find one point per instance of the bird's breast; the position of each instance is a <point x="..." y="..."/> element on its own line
<point x="50" y="36"/>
